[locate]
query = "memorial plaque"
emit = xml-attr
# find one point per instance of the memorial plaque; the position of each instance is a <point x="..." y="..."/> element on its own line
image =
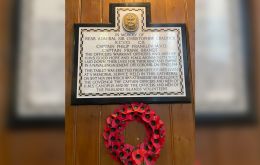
<point x="224" y="84"/>
<point x="37" y="82"/>
<point x="130" y="59"/>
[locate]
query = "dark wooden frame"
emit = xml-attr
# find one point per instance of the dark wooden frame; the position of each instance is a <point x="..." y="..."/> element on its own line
<point x="250" y="116"/>
<point x="14" y="121"/>
<point x="96" y="101"/>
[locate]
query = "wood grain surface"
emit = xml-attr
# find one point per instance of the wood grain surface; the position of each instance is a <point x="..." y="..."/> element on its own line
<point x="84" y="124"/>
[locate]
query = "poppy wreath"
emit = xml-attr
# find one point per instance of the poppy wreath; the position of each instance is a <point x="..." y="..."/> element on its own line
<point x="146" y="152"/>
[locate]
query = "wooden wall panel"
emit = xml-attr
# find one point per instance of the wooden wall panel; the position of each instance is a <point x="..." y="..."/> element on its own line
<point x="84" y="124"/>
<point x="228" y="145"/>
<point x="72" y="16"/>
<point x="31" y="146"/>
<point x="5" y="7"/>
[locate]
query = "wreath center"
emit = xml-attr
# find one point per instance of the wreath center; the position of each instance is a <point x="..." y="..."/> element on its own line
<point x="148" y="150"/>
<point x="141" y="132"/>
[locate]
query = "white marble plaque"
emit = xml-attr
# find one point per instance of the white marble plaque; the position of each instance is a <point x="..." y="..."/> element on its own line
<point x="132" y="59"/>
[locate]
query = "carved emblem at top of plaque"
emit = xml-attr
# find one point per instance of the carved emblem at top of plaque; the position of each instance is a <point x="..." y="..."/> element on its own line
<point x="130" y="22"/>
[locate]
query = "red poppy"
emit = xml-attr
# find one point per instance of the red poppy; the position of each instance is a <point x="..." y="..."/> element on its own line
<point x="114" y="155"/>
<point x="106" y="133"/>
<point x="114" y="115"/>
<point x="160" y="123"/>
<point x="122" y="109"/>
<point x="162" y="133"/>
<point x="138" y="156"/>
<point x="156" y="152"/>
<point x="116" y="146"/>
<point x="150" y="158"/>
<point x="157" y="143"/>
<point x="123" y="155"/>
<point x="147" y="116"/>
<point x="148" y="151"/>
<point x="155" y="122"/>
<point x="158" y="133"/>
<point x="126" y="158"/>
<point x="130" y="116"/>
<point x="148" y="109"/>
<point x="129" y="162"/>
<point x="149" y="133"/>
<point x="155" y="136"/>
<point x="113" y="136"/>
<point x="107" y="144"/>
<point x="145" y="146"/>
<point x="115" y="123"/>
<point x="120" y="138"/>
<point x="128" y="148"/>
<point x="156" y="118"/>
<point x="125" y="117"/>
<point x="109" y="120"/>
<point x="138" y="107"/>
<point x="127" y="109"/>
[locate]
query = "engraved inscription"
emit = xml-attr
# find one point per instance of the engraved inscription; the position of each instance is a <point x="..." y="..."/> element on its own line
<point x="114" y="62"/>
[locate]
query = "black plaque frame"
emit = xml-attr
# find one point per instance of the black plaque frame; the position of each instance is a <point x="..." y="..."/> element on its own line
<point x="116" y="100"/>
<point x="250" y="117"/>
<point x="13" y="120"/>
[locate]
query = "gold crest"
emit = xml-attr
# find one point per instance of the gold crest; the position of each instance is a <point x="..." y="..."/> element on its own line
<point x="130" y="22"/>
